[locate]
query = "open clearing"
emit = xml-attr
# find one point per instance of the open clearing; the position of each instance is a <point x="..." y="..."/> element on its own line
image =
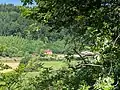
<point x="53" y="64"/>
<point x="14" y="64"/>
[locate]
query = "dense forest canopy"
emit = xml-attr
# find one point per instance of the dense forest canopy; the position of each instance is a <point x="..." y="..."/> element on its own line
<point x="13" y="23"/>
<point x="17" y="34"/>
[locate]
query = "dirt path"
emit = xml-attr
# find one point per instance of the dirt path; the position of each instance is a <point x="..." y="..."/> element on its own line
<point x="13" y="65"/>
<point x="12" y="62"/>
<point x="7" y="59"/>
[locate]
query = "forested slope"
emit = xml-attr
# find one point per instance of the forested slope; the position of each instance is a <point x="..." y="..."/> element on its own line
<point x="11" y="22"/>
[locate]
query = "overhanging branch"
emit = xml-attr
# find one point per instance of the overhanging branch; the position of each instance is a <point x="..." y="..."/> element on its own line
<point x="116" y="40"/>
<point x="79" y="55"/>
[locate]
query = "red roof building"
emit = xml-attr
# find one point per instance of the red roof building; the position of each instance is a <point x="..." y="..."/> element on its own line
<point x="48" y="52"/>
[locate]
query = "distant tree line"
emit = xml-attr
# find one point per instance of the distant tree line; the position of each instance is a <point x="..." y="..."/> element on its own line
<point x="15" y="24"/>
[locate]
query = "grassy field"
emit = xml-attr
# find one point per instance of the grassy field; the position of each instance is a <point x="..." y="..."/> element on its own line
<point x="14" y="64"/>
<point x="54" y="64"/>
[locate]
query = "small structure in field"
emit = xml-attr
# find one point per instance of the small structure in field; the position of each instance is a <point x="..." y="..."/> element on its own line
<point x="48" y="52"/>
<point x="87" y="53"/>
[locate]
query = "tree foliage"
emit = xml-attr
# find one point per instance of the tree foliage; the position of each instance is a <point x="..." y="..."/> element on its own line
<point x="92" y="25"/>
<point x="86" y="25"/>
<point x="11" y="22"/>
